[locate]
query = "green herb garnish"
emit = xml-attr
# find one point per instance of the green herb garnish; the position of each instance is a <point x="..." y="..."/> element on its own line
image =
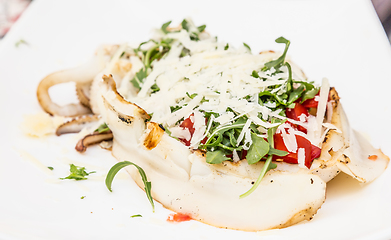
<point x="216" y="157"/>
<point x="247" y="46"/>
<point x="268" y="165"/>
<point x="21" y="41"/>
<point x="139" y="78"/>
<point x="102" y="128"/>
<point x="136" y="215"/>
<point x="278" y="62"/>
<point x="257" y="150"/>
<point x="114" y="170"/>
<point x="164" y="27"/>
<point x="77" y="173"/>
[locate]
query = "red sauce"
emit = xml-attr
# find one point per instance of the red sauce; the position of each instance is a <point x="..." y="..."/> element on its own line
<point x="178" y="217"/>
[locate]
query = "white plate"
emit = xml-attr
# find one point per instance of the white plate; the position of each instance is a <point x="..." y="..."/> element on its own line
<point x="340" y="40"/>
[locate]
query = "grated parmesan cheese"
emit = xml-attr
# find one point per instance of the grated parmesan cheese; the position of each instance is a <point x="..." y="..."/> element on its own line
<point x="301" y="157"/>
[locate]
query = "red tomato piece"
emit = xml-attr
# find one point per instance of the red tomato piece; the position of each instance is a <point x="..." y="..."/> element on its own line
<point x="310" y="103"/>
<point x="311" y="151"/>
<point x="315" y="152"/>
<point x="187" y="124"/>
<point x="280" y="145"/>
<point x="295" y="113"/>
<point x="304" y="143"/>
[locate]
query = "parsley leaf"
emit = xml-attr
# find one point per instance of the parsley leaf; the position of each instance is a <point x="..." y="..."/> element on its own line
<point x="77" y="173"/>
<point x="114" y="170"/>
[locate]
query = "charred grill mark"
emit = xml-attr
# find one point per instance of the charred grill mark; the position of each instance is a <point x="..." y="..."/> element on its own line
<point x="154" y="135"/>
<point x="125" y="119"/>
<point x="326" y="137"/>
<point x="112" y="86"/>
<point x="334" y="95"/>
<point x="345" y="159"/>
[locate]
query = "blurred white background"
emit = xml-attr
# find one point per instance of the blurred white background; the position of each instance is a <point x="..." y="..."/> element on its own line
<point x="10" y="10"/>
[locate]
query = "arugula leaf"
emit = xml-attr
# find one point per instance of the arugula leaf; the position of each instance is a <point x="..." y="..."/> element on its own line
<point x="279" y="61"/>
<point x="147" y="185"/>
<point x="21" y="41"/>
<point x="216" y="157"/>
<point x="102" y="128"/>
<point x="185" y="24"/>
<point x="219" y="131"/>
<point x="280" y="153"/>
<point x="176" y="108"/>
<point x="247" y="46"/>
<point x="164" y="27"/>
<point x="139" y="78"/>
<point x="155" y="88"/>
<point x="268" y="163"/>
<point x="192" y="95"/>
<point x="193" y="35"/>
<point x="201" y="28"/>
<point x="77" y="173"/>
<point x="257" y="150"/>
<point x="279" y="99"/>
<point x="232" y="138"/>
<point x="289" y="82"/>
<point x="266" y="167"/>
<point x="295" y="94"/>
<point x="309" y="94"/>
